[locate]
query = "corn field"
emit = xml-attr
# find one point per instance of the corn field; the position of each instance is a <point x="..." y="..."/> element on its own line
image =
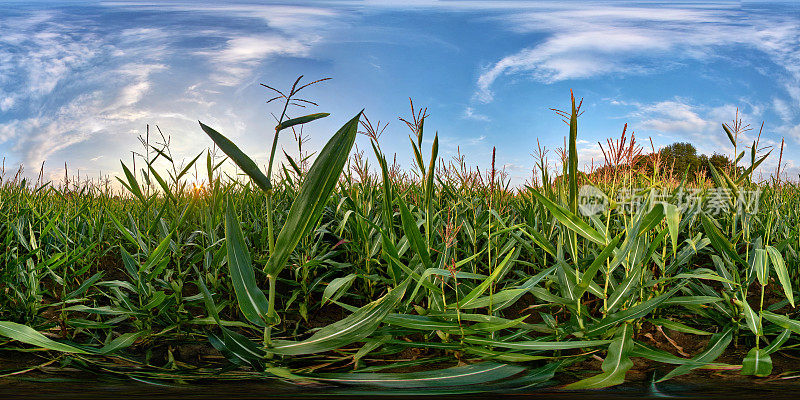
<point x="442" y="278"/>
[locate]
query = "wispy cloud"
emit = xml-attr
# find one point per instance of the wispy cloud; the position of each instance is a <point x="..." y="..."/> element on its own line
<point x="621" y="40"/>
<point x="235" y="61"/>
<point x="469" y="113"/>
<point x="66" y="78"/>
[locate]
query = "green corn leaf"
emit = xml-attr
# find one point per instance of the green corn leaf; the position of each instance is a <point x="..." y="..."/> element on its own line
<point x="729" y="133"/>
<point x="573" y="159"/>
<point x="425" y="323"/>
<point x="162" y="183"/>
<point x="122" y="342"/>
<point x="629" y="284"/>
<point x="752" y="319"/>
<point x="132" y="185"/>
<point x="540" y="240"/>
<point x="615" y="365"/>
<point x="28" y="335"/>
<point x="251" y="299"/>
<point x="294" y="165"/>
<point x="719" y="242"/>
<point x="752" y="168"/>
<point x="716" y="346"/>
<point x="187" y="167"/>
<point x="782" y="272"/>
<point x="508" y="297"/>
<point x="337" y="287"/>
<point x="761" y="266"/>
<point x="413" y="235"/>
<point x="598" y="263"/>
<point x="673" y="218"/>
<point x="776" y="343"/>
<point x="300" y="120"/>
<point x="757" y="362"/>
<point x="634" y="312"/>
<point x="678" y="327"/>
<point x="444" y="273"/>
<point x="431" y="168"/>
<point x="782" y="321"/>
<point x="505" y="356"/>
<point x="498" y="272"/>
<point x="538" y="345"/>
<point x="239" y="157"/>
<point x="310" y="201"/>
<point x="387" y="192"/>
<point x="644" y="351"/>
<point x="474" y="374"/>
<point x="355" y="327"/>
<point x="570" y="220"/>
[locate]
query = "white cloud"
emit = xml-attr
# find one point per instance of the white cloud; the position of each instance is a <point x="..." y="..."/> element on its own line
<point x="673" y="117"/>
<point x="71" y="81"/>
<point x="469" y="113"/>
<point x="600" y="40"/>
<point x="237" y="59"/>
<point x="783" y="109"/>
<point x="477" y="140"/>
<point x="6" y="102"/>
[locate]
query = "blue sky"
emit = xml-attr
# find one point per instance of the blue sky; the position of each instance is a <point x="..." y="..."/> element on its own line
<point x="79" y="81"/>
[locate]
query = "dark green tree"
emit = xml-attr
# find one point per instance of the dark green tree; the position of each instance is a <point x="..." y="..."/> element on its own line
<point x="680" y="157"/>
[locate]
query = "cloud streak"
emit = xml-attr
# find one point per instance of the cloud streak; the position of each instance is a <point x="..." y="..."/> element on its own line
<point x="614" y="40"/>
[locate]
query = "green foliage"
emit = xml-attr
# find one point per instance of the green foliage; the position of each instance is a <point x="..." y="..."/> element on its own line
<point x="337" y="272"/>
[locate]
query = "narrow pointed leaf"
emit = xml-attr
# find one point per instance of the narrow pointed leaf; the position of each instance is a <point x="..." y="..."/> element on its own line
<point x="355" y="327"/>
<point x="310" y="201"/>
<point x="239" y="157"/>
<point x="782" y="272"/>
<point x="28" y="335"/>
<point x="570" y="220"/>
<point x="716" y="346"/>
<point x="300" y="120"/>
<point x="251" y="299"/>
<point x="615" y="365"/>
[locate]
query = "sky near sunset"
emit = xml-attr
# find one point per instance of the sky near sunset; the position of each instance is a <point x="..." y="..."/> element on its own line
<point x="79" y="81"/>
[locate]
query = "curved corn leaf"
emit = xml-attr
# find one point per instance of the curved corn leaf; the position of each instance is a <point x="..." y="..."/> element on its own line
<point x="634" y="312"/>
<point x="251" y="299"/>
<point x="778" y="341"/>
<point x="653" y="354"/>
<point x="353" y="328"/>
<point x="456" y="376"/>
<point x="300" y="120"/>
<point x="537" y="345"/>
<point x="337" y="287"/>
<point x="570" y="220"/>
<point x="498" y="272"/>
<point x="782" y="272"/>
<point x="310" y="201"/>
<point x="28" y="335"/>
<point x="720" y="243"/>
<point x="590" y="272"/>
<point x="678" y="327"/>
<point x="122" y="342"/>
<point x="239" y="157"/>
<point x="615" y="365"/>
<point x="413" y="235"/>
<point x="782" y="321"/>
<point x="716" y="346"/>
<point x="752" y="319"/>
